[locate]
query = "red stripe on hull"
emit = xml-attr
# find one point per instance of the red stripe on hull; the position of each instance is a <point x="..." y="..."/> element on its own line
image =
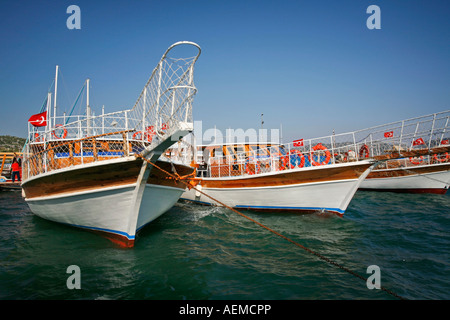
<point x="117" y="239"/>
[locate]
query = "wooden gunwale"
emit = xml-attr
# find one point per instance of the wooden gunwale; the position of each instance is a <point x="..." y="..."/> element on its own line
<point x="408" y="171"/>
<point x="411" y="153"/>
<point x="290" y="177"/>
<point x="101" y="176"/>
<point x="86" y="177"/>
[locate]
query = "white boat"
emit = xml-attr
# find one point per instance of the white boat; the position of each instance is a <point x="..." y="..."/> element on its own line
<point x="422" y="174"/>
<point x="87" y="171"/>
<point x="415" y="175"/>
<point x="310" y="175"/>
<point x="306" y="178"/>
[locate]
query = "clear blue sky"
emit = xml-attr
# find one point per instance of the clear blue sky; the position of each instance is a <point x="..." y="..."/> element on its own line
<point x="312" y="66"/>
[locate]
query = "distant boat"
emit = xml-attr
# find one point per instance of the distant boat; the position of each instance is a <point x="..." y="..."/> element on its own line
<point x="425" y="173"/>
<point x="84" y="171"/>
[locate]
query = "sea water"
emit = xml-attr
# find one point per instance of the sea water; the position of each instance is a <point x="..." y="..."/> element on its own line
<point x="211" y="253"/>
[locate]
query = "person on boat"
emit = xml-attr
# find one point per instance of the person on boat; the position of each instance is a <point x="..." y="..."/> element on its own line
<point x="15" y="170"/>
<point x="19" y="160"/>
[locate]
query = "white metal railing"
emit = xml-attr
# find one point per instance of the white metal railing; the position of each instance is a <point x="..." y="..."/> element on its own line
<point x="46" y="157"/>
<point x="165" y="103"/>
<point x="427" y="131"/>
<point x="420" y="133"/>
<point x="414" y="161"/>
<point x="163" y="107"/>
<point x="322" y="151"/>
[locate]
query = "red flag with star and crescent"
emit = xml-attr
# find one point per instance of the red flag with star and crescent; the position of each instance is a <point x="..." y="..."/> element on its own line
<point x="298" y="143"/>
<point x="418" y="142"/>
<point x="39" y="120"/>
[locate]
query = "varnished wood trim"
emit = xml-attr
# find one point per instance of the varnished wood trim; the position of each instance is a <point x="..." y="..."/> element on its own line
<point x="410" y="190"/>
<point x="83" y="179"/>
<point x="317" y="174"/>
<point x="407" y="171"/>
<point x="98" y="177"/>
<point x="413" y="153"/>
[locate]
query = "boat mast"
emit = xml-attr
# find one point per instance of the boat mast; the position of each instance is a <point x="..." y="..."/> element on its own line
<point x="49" y="108"/>
<point x="88" y="112"/>
<point x="54" y="99"/>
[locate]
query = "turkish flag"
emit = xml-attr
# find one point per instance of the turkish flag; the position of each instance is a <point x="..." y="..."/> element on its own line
<point x="39" y="120"/>
<point x="298" y="143"/>
<point x="389" y="134"/>
<point x="444" y="141"/>
<point x="418" y="142"/>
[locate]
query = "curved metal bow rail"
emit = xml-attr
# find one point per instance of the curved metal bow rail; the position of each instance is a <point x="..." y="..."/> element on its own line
<point x="165" y="104"/>
<point x="163" y="110"/>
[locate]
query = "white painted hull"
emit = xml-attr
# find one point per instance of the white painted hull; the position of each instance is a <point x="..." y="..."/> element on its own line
<point x="107" y="210"/>
<point x="433" y="182"/>
<point x="156" y="201"/>
<point x="115" y="198"/>
<point x="330" y="196"/>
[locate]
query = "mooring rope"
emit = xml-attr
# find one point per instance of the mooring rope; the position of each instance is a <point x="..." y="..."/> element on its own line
<point x="320" y="256"/>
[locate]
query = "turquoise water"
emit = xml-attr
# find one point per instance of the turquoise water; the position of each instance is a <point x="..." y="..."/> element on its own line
<point x="197" y="253"/>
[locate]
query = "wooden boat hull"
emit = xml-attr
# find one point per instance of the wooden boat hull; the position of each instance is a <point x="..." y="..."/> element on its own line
<point x="115" y="198"/>
<point x="324" y="188"/>
<point x="433" y="178"/>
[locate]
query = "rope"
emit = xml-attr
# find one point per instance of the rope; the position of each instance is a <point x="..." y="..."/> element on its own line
<point x="76" y="101"/>
<point x="320" y="256"/>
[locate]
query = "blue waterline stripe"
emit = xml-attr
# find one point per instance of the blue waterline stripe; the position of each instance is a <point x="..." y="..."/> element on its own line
<point x="104" y="230"/>
<point x="290" y="208"/>
<point x="273" y="207"/>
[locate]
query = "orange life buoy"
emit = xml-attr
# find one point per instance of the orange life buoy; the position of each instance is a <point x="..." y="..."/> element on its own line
<point x="298" y="155"/>
<point x="413" y="161"/>
<point x="319" y="146"/>
<point x="36" y="137"/>
<point x="143" y="136"/>
<point x="364" y="151"/>
<point x="63" y="136"/>
<point x="256" y="169"/>
<point x="441" y="159"/>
